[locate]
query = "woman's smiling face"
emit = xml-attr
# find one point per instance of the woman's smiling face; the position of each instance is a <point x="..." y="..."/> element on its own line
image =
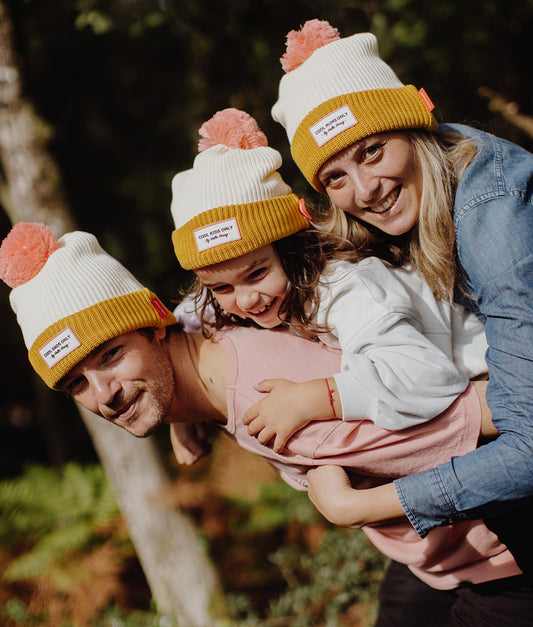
<point x="377" y="180"/>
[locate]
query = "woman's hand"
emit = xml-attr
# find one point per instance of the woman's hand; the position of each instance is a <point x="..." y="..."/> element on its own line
<point x="332" y="494"/>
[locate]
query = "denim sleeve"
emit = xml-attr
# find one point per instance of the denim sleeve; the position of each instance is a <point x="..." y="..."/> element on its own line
<point x="495" y="247"/>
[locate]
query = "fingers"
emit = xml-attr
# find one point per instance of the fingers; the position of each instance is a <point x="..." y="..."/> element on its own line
<point x="266" y="385"/>
<point x="279" y="442"/>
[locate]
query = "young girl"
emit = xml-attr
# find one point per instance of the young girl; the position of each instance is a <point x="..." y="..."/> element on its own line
<point x="235" y="220"/>
<point x="454" y="202"/>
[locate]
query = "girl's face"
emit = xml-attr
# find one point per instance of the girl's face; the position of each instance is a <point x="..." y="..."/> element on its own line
<point x="378" y="180"/>
<point x="251" y="286"/>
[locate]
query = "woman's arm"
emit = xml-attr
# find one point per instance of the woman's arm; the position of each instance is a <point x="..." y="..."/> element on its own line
<point x="332" y="494"/>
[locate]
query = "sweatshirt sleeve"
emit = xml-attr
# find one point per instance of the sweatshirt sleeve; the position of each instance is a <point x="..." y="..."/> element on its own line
<point x="390" y="373"/>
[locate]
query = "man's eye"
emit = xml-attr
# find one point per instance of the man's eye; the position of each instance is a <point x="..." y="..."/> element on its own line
<point x="110" y="354"/>
<point x="75" y="387"/>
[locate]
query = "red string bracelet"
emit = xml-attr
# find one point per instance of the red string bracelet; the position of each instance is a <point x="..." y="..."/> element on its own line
<point x="330" y="394"/>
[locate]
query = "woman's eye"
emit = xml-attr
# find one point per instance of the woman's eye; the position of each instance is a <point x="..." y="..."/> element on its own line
<point x="331" y="179"/>
<point x="372" y="150"/>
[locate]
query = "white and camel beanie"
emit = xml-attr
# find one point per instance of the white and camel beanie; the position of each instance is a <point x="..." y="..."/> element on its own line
<point x="233" y="200"/>
<point x="70" y="296"/>
<point x="338" y="91"/>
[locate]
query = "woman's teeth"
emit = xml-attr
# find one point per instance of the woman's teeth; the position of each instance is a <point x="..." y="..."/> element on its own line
<point x="389" y="202"/>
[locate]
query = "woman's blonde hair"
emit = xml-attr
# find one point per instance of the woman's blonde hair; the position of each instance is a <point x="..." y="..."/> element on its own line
<point x="430" y="245"/>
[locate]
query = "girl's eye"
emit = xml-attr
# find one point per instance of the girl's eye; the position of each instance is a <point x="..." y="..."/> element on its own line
<point x="257" y="274"/>
<point x="221" y="289"/>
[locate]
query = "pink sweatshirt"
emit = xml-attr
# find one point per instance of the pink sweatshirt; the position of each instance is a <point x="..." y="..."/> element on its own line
<point x="447" y="556"/>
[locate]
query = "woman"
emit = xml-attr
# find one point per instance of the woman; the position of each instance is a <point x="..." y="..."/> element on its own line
<point x="457" y="204"/>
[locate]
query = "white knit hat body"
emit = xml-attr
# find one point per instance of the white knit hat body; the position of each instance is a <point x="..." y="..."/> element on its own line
<point x="342" y="67"/>
<point x="223" y="176"/>
<point x="339" y="91"/>
<point x="70" y="297"/>
<point x="78" y="275"/>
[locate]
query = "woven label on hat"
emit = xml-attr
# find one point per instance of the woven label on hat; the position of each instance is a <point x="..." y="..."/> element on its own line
<point x="217" y="234"/>
<point x="332" y="124"/>
<point x="59" y="347"/>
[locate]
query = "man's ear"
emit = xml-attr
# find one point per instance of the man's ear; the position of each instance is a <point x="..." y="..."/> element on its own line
<point x="160" y="333"/>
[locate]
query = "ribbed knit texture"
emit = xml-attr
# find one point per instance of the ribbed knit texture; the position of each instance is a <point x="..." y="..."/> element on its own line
<point x="242" y="186"/>
<point x="348" y="72"/>
<point x="83" y="288"/>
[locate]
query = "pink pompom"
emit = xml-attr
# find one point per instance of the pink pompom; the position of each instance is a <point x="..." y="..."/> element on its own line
<point x="301" y="44"/>
<point x="24" y="252"/>
<point x="234" y="129"/>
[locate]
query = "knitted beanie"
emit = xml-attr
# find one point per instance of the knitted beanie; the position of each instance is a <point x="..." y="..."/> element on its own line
<point x="233" y="200"/>
<point x="338" y="91"/>
<point x="70" y="296"/>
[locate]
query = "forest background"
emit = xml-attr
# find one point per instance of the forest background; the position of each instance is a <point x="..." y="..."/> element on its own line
<point x="122" y="87"/>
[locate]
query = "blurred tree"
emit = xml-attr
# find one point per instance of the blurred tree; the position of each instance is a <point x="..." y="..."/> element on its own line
<point x="182" y="580"/>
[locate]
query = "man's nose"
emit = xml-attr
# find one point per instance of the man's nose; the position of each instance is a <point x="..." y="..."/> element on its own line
<point x="104" y="387"/>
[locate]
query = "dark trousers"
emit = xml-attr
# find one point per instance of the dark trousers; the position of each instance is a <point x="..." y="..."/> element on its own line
<point x="405" y="601"/>
<point x="514" y="530"/>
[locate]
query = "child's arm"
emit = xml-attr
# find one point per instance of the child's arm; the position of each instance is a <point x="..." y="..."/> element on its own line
<point x="332" y="494"/>
<point x="289" y="406"/>
<point x="189" y="442"/>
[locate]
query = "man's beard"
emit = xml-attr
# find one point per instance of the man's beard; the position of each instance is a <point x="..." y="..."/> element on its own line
<point x="157" y="395"/>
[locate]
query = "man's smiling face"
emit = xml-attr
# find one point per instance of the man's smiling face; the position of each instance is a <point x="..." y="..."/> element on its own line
<point x="129" y="381"/>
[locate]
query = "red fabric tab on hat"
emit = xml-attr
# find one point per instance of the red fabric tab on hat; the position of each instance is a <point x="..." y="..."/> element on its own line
<point x="427" y="100"/>
<point x="303" y="209"/>
<point x="159" y="307"/>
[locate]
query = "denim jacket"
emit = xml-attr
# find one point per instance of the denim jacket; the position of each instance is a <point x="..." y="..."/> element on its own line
<point x="493" y="217"/>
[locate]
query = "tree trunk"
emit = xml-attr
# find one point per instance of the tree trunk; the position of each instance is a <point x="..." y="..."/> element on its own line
<point x="182" y="580"/>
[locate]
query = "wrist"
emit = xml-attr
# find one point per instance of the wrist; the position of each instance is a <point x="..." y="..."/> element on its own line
<point x="333" y="398"/>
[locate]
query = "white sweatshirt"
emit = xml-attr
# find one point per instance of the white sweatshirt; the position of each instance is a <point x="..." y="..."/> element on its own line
<point x="398" y="350"/>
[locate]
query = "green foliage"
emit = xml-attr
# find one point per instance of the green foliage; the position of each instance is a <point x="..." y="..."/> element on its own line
<point x="276" y="506"/>
<point x="114" y="616"/>
<point x="346" y="569"/>
<point x="322" y="580"/>
<point x="58" y="513"/>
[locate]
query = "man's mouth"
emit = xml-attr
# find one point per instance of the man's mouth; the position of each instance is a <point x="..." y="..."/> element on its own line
<point x="389" y="202"/>
<point x="126" y="412"/>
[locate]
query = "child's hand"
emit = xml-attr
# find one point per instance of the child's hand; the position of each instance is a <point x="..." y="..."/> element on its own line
<point x="286" y="409"/>
<point x="332" y="494"/>
<point x="189" y="442"/>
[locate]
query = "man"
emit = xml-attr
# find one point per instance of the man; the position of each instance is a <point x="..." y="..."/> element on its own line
<point x="94" y="331"/>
